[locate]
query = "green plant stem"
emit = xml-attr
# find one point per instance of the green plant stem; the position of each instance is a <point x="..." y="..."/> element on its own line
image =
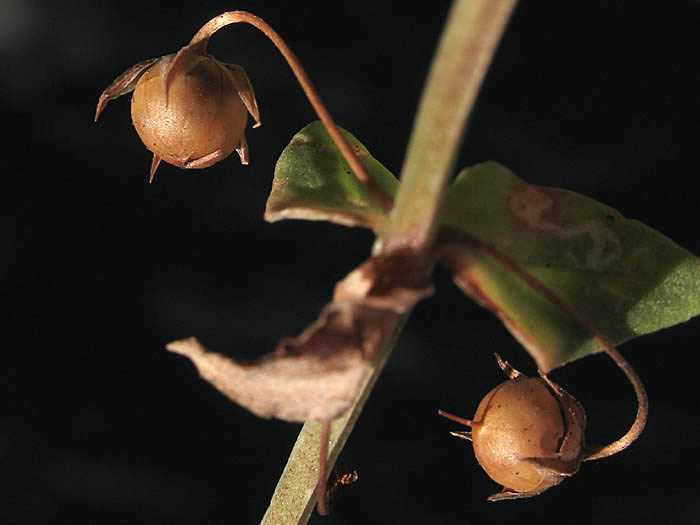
<point x="470" y="38"/>
<point x="295" y="494"/>
<point x="464" y="53"/>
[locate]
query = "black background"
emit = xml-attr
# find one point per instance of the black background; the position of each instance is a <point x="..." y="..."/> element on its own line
<point x="102" y="425"/>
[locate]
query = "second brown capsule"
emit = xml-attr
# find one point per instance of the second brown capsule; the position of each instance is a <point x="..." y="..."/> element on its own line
<point x="528" y="434"/>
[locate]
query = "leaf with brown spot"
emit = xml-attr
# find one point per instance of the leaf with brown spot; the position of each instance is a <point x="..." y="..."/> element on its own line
<point x="620" y="275"/>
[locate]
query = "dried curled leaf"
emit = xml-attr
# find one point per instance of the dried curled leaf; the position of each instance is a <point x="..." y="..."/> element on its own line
<point x="313" y="376"/>
<point x="317" y="374"/>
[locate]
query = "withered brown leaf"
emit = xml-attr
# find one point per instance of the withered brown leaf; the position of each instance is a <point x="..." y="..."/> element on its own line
<point x="313" y="376"/>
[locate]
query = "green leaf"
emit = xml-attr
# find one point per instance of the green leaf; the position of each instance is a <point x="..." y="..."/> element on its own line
<point x="625" y="278"/>
<point x="312" y="181"/>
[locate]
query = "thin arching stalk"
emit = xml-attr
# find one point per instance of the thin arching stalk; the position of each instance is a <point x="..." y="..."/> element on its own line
<point x="448" y="235"/>
<point x="200" y="41"/>
<point x="640" y="420"/>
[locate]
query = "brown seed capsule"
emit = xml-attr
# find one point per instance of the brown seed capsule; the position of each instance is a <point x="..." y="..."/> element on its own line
<point x="527" y="434"/>
<point x="188" y="108"/>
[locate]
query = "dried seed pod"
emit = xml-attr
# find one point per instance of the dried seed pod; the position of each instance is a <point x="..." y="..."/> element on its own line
<point x="188" y="108"/>
<point x="527" y="434"/>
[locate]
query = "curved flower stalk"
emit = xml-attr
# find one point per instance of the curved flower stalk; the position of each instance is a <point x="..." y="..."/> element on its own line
<point x="186" y="107"/>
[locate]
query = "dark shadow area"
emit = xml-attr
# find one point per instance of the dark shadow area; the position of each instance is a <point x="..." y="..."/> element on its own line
<point x="100" y="424"/>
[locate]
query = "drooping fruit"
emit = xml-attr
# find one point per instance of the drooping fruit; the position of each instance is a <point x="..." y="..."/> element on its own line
<point x="527" y="434"/>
